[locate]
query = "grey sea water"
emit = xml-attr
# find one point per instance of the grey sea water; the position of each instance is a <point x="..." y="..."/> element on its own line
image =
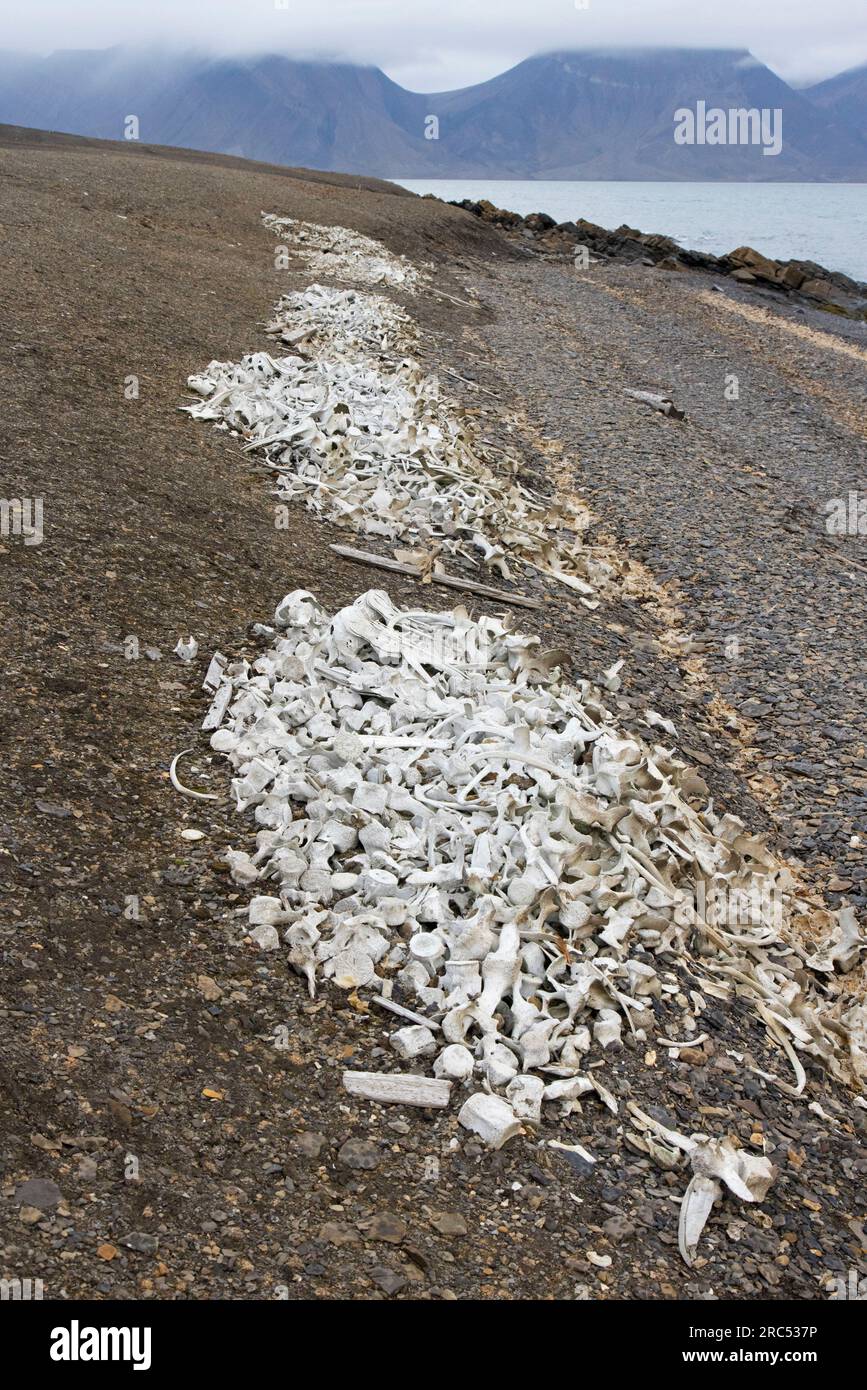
<point x="824" y="222"/>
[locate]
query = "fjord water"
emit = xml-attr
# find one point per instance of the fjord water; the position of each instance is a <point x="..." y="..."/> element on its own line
<point x="824" y="222"/>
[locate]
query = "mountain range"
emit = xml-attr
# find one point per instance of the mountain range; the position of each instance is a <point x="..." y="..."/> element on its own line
<point x="571" y="115"/>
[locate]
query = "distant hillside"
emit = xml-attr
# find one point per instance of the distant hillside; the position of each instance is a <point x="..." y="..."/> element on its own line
<point x="325" y="116"/>
<point x="844" y="97"/>
<point x="610" y="116"/>
<point x="589" y="115"/>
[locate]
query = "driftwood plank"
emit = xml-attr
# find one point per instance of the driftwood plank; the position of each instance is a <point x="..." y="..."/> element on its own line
<point x="396" y="1088"/>
<point x="364" y="557"/>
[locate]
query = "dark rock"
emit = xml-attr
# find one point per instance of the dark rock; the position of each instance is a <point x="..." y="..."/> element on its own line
<point x="386" y="1226"/>
<point x="539" y="222"/>
<point x="141" y="1242"/>
<point x="388" y="1279"/>
<point x="760" y="266"/>
<point x="579" y="1165"/>
<point x="449" y="1223"/>
<point x="38" y="1192"/>
<point x="359" y="1153"/>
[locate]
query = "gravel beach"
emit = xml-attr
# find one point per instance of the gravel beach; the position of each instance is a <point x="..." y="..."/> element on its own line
<point x="727" y="509"/>
<point x="154" y="1142"/>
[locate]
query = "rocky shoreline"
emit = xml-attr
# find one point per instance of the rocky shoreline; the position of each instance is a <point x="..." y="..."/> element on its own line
<point x="800" y="282"/>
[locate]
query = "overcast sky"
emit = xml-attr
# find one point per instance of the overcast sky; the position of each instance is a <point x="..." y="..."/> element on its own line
<point x="432" y="45"/>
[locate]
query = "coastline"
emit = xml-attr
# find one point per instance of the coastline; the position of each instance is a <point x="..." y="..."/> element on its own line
<point x="802" y="282"/>
<point x="825" y="223"/>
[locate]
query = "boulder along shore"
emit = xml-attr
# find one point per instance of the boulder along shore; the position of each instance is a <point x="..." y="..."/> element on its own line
<point x="135" y="1021"/>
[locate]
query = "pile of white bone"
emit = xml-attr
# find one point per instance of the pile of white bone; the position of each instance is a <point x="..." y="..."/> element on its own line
<point x="342" y="254"/>
<point x="322" y="319"/>
<point x="441" y="814"/>
<point x="359" y="432"/>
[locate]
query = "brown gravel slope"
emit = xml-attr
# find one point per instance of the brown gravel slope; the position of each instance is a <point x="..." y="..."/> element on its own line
<point x="178" y="1152"/>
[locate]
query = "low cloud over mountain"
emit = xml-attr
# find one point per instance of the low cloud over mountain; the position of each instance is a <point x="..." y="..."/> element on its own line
<point x="582" y="115"/>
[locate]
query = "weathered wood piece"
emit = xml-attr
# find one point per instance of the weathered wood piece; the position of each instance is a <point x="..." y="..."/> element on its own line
<point x="383" y="562"/>
<point x="394" y="1088"/>
<point x="664" y="404"/>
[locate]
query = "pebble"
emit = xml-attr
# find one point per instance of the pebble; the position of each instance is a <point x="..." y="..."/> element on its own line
<point x="385" y="1226"/>
<point x="338" y="1233"/>
<point x="141" y="1242"/>
<point x="41" y="1193"/>
<point x="310" y="1144"/>
<point x="449" y="1223"/>
<point x="618" y="1227"/>
<point x="388" y="1279"/>
<point x="359" y="1153"/>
